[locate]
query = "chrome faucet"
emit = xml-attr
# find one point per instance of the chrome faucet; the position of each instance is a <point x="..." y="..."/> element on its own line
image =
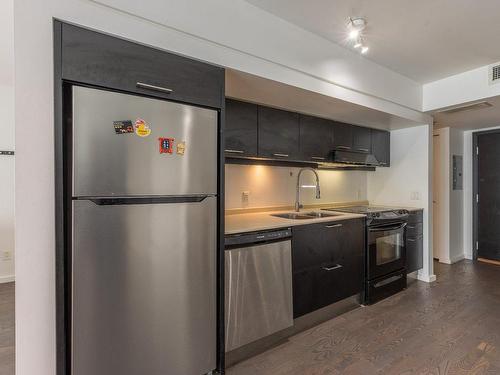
<point x="297" y="195"/>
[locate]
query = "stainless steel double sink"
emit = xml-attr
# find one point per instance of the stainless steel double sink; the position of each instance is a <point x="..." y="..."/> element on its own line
<point x="305" y="215"/>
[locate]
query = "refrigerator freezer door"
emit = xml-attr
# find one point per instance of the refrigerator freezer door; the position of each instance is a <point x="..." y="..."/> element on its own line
<point x="111" y="159"/>
<point x="144" y="288"/>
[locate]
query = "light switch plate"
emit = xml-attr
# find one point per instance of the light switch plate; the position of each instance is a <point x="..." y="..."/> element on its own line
<point x="245" y="196"/>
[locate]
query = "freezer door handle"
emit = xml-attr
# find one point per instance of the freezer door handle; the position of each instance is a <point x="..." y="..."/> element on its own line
<point x="113" y="201"/>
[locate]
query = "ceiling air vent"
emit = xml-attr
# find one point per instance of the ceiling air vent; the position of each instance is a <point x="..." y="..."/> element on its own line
<point x="467" y="107"/>
<point x="494" y="73"/>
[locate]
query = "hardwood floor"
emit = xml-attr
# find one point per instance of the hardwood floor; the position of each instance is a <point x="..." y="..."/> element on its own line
<point x="7" y="356"/>
<point x="449" y="327"/>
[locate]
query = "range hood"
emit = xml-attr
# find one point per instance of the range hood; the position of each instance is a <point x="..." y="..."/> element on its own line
<point x="355" y="158"/>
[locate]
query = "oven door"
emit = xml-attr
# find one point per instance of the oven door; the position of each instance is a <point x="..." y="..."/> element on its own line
<point x="386" y="249"/>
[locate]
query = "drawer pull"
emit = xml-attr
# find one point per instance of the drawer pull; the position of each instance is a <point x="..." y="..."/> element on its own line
<point x="317" y="158"/>
<point x="234" y="151"/>
<point x="281" y="155"/>
<point x="335" y="267"/>
<point x="333" y="226"/>
<point x="363" y="149"/>
<point x="146" y="86"/>
<point x="343" y="147"/>
<point x="415" y="239"/>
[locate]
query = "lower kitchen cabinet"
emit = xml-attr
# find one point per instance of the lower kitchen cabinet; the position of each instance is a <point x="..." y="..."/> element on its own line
<point x="414" y="242"/>
<point x="327" y="262"/>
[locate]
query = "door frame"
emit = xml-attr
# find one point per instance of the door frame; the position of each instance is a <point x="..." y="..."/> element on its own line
<point x="475" y="188"/>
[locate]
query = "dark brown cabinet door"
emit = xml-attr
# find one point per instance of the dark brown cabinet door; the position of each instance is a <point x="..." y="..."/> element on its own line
<point x="278" y="134"/>
<point x="342" y="136"/>
<point x="361" y="139"/>
<point x="315" y="139"/>
<point x="102" y="60"/>
<point x="241" y="129"/>
<point x="381" y="147"/>
<point x="328" y="263"/>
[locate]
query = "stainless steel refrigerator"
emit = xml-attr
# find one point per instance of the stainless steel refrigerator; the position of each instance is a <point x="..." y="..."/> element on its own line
<point x="144" y="211"/>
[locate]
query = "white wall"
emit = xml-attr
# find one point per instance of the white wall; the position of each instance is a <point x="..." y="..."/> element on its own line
<point x="410" y="173"/>
<point x="276" y="186"/>
<point x="7" y="140"/>
<point x="450" y="237"/>
<point x="458" y="89"/>
<point x="456" y="141"/>
<point x="197" y="28"/>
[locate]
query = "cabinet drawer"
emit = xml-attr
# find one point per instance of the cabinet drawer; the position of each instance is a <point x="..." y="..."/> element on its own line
<point x="98" y="59"/>
<point x="383" y="287"/>
<point x="321" y="286"/>
<point x="323" y="243"/>
<point x="414" y="229"/>
<point x="414" y="253"/>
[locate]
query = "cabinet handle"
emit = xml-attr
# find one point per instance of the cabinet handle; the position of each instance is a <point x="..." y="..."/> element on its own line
<point x="333" y="226"/>
<point x="343" y="147"/>
<point x="234" y="151"/>
<point x="146" y="86"/>
<point x="363" y="149"/>
<point x="317" y="158"/>
<point x="335" y="267"/>
<point x="281" y="155"/>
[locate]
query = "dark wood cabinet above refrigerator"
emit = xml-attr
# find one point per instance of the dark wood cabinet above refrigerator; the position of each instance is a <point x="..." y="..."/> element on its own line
<point x="278" y="136"/>
<point x="102" y="60"/>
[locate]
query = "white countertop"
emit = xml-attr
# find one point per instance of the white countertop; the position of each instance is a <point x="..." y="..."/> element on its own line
<point x="250" y="222"/>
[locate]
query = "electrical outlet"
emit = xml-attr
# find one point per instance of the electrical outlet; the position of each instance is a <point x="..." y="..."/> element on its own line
<point x="245" y="196"/>
<point x="6" y="255"/>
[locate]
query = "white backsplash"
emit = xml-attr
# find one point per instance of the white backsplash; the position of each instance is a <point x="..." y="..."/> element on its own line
<point x="275" y="186"/>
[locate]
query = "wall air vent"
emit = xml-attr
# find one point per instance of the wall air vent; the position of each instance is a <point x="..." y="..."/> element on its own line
<point x="467" y="107"/>
<point x="494" y="74"/>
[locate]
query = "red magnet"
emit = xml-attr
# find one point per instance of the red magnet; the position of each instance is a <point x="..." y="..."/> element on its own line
<point x="166" y="145"/>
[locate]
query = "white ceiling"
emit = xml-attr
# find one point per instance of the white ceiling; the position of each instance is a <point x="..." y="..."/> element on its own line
<point x="251" y="88"/>
<point x="424" y="40"/>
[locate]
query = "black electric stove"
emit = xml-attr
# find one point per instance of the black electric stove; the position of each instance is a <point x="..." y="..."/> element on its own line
<point x="385" y="250"/>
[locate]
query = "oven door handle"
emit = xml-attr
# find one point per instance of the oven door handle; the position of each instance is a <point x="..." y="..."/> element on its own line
<point x="388" y="227"/>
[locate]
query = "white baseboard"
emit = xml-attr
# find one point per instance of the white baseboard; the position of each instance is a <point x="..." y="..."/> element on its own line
<point x="7" y="279"/>
<point x="455" y="259"/>
<point x="426" y="278"/>
<point x="469" y="256"/>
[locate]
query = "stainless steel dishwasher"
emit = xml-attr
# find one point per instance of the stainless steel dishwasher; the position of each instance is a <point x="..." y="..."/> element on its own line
<point x="258" y="286"/>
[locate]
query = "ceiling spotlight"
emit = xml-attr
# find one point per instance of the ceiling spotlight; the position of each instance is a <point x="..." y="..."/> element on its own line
<point x="353" y="34"/>
<point x="355" y="29"/>
<point x="355" y="26"/>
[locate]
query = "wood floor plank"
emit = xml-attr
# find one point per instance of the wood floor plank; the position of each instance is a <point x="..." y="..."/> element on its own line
<point x="450" y="327"/>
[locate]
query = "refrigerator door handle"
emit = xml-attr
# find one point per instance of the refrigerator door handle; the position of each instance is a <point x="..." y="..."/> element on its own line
<point x="113" y="201"/>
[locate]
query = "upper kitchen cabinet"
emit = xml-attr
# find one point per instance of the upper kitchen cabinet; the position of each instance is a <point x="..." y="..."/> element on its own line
<point x="381" y="147"/>
<point x="315" y="139"/>
<point x="361" y="139"/>
<point x="241" y="129"/>
<point x="342" y="136"/>
<point x="102" y="60"/>
<point x="278" y="134"/>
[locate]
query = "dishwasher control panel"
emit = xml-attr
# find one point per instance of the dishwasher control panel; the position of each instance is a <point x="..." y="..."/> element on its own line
<point x="256" y="237"/>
